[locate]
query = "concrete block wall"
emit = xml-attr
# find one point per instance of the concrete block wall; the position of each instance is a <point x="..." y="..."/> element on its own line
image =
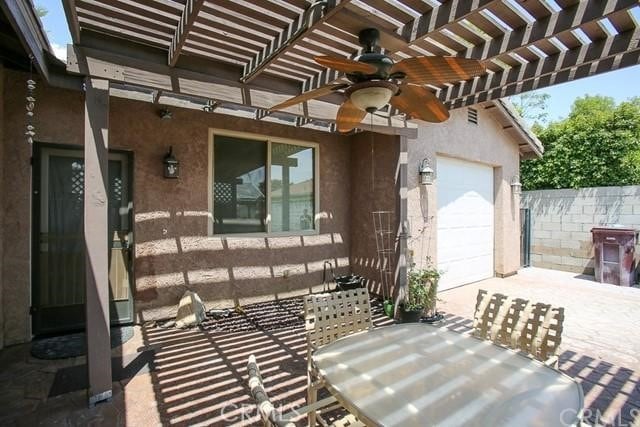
<point x="562" y="220"/>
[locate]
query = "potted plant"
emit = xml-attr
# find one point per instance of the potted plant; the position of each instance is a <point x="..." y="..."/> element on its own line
<point x="429" y="277"/>
<point x="422" y="297"/>
<point x="413" y="306"/>
<point x="388" y="307"/>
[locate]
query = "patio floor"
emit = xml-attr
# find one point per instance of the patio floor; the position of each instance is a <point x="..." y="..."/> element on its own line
<point x="197" y="377"/>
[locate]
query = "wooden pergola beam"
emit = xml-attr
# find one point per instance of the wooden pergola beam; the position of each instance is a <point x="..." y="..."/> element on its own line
<point x="188" y="18"/>
<point x="441" y="16"/>
<point x="314" y="16"/>
<point x="143" y="73"/>
<point x="436" y="19"/>
<point x="567" y="19"/>
<point x="615" y="51"/>
<point x="72" y="19"/>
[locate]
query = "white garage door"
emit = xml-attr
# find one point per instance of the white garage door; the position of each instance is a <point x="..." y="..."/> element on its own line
<point x="465" y="221"/>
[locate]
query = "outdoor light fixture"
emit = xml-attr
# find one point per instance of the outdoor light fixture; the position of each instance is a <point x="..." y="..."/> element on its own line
<point x="426" y="172"/>
<point x="516" y="186"/>
<point x="372" y="96"/>
<point x="171" y="165"/>
<point x="165" y="114"/>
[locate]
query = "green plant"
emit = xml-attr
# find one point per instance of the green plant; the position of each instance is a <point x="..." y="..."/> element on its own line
<point x="423" y="289"/>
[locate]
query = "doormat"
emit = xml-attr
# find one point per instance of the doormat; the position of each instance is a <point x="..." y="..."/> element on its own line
<point x="74" y="345"/>
<point x="74" y="378"/>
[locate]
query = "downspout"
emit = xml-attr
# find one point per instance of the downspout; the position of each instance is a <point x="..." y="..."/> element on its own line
<point x="292" y="39"/>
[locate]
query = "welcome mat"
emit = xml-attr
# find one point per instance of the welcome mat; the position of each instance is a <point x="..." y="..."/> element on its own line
<point x="74" y="345"/>
<point x="74" y="378"/>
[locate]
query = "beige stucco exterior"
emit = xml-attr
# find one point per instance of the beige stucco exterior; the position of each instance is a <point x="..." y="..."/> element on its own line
<point x="485" y="142"/>
<point x="173" y="251"/>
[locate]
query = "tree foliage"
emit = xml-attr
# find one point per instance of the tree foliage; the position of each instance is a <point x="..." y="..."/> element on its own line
<point x="598" y="144"/>
<point x="532" y="106"/>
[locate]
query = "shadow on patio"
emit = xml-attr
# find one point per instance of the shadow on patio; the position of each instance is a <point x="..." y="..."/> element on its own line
<point x="197" y="376"/>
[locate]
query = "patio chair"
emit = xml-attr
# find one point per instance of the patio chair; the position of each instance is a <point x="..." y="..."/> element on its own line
<point x="331" y="316"/>
<point x="271" y="417"/>
<point x="539" y="332"/>
<point x="497" y="316"/>
<point x="535" y="329"/>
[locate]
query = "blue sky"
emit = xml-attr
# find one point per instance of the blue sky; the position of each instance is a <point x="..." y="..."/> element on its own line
<point x="620" y="84"/>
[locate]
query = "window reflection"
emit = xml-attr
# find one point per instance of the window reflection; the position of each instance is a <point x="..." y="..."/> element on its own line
<point x="292" y="188"/>
<point x="239" y="204"/>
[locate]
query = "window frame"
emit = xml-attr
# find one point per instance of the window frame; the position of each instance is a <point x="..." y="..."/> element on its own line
<point x="268" y="140"/>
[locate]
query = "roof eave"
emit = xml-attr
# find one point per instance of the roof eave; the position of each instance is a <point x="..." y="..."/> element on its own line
<point x="509" y="111"/>
<point x="26" y="24"/>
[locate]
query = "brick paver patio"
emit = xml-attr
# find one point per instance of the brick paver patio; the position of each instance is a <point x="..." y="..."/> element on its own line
<point x="197" y="376"/>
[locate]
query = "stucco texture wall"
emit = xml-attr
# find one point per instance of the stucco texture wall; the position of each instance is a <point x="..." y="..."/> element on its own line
<point x="561" y="223"/>
<point x="173" y="252"/>
<point x="485" y="142"/>
<point x="374" y="180"/>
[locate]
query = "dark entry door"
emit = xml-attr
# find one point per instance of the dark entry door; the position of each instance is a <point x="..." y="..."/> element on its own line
<point x="59" y="255"/>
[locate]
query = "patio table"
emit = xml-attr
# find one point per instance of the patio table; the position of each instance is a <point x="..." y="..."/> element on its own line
<point x="420" y="375"/>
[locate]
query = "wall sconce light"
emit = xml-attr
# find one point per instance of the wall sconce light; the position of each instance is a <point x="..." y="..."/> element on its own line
<point x="171" y="165"/>
<point x="516" y="186"/>
<point x="165" y="114"/>
<point x="426" y="173"/>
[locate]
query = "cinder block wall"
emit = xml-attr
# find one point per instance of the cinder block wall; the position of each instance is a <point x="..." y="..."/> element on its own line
<point x="562" y="220"/>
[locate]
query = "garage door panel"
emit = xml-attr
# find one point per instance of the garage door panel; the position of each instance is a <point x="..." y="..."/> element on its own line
<point x="474" y="270"/>
<point x="465" y="221"/>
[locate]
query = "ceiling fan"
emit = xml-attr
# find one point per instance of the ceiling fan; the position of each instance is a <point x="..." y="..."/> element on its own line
<point x="375" y="81"/>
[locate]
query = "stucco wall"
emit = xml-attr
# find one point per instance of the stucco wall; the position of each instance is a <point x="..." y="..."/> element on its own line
<point x="16" y="205"/>
<point x="485" y="142"/>
<point x="173" y="252"/>
<point x="562" y="220"/>
<point x="374" y="166"/>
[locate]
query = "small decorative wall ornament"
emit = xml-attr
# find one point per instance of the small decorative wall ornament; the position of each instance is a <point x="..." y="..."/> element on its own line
<point x="171" y="165"/>
<point x="516" y="186"/>
<point x="165" y="114"/>
<point x="210" y="106"/>
<point x="426" y="172"/>
<point x="30" y="105"/>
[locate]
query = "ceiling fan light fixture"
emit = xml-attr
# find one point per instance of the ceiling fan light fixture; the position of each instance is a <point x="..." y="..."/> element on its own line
<point x="372" y="96"/>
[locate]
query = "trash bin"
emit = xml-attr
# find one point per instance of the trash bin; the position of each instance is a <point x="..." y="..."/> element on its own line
<point x="614" y="249"/>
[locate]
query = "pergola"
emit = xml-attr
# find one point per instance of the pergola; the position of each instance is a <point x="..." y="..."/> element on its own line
<point x="242" y="57"/>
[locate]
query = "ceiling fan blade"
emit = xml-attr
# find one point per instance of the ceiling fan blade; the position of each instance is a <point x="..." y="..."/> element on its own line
<point x="420" y="103"/>
<point x="438" y="69"/>
<point x="316" y="93"/>
<point x="345" y="65"/>
<point x="349" y="116"/>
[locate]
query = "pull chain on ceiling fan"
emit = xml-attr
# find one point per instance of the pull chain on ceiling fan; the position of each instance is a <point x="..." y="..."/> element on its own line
<point x="375" y="80"/>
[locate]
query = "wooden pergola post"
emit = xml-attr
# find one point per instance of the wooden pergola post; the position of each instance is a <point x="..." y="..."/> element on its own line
<point x="96" y="147"/>
<point x="402" y="218"/>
